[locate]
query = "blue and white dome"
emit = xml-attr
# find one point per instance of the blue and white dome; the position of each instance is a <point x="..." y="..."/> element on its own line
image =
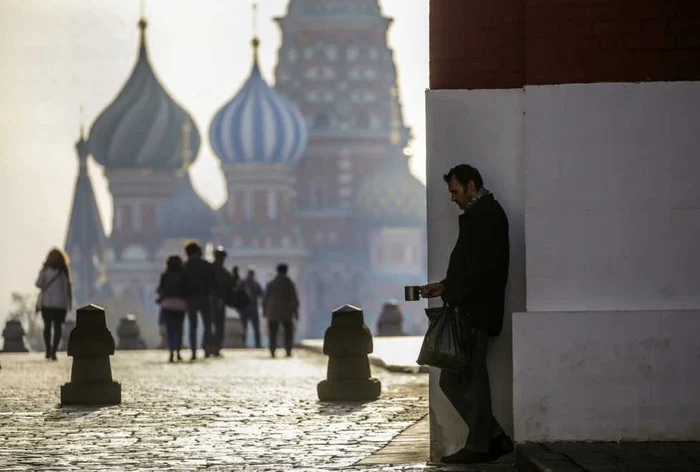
<point x="143" y="128"/>
<point x="185" y="215"/>
<point x="258" y="126"/>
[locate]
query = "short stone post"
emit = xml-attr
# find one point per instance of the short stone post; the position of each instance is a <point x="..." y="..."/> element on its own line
<point x="90" y="344"/>
<point x="68" y="327"/>
<point x="390" y="320"/>
<point x="129" y="334"/>
<point x="347" y="343"/>
<point x="13" y="335"/>
<point x="233" y="333"/>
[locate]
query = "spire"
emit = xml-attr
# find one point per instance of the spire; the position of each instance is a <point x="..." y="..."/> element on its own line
<point x="256" y="40"/>
<point x="82" y="148"/>
<point x="86" y="236"/>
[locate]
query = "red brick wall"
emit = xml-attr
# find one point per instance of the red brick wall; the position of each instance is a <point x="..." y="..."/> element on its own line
<point x="510" y="43"/>
<point x="476" y="42"/>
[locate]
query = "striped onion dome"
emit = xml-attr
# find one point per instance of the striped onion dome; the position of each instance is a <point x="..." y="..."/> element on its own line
<point x="258" y="126"/>
<point x="143" y="128"/>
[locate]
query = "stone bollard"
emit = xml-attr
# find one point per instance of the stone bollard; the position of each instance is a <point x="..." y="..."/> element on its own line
<point x="13" y="335"/>
<point x="90" y="344"/>
<point x="68" y="327"/>
<point x="233" y="333"/>
<point x="129" y="333"/>
<point x="390" y="320"/>
<point x="347" y="343"/>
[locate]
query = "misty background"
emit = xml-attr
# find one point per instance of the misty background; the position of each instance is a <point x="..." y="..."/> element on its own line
<point x="57" y="57"/>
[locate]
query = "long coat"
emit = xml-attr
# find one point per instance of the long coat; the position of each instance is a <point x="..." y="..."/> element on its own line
<point x="280" y="302"/>
<point x="478" y="271"/>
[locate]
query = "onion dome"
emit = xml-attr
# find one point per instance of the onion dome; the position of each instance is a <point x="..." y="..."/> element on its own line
<point x="185" y="215"/>
<point x="258" y="126"/>
<point x="142" y="128"/>
<point x="392" y="197"/>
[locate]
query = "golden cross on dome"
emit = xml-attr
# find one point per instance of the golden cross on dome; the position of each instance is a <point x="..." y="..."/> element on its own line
<point x="256" y="40"/>
<point x="82" y="123"/>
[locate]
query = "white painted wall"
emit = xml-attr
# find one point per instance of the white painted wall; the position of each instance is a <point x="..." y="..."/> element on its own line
<point x="483" y="129"/>
<point x="606" y="376"/>
<point x="613" y="196"/>
<point x="605" y="351"/>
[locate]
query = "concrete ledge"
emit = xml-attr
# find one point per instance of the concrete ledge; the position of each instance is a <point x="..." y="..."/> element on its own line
<point x="606" y="376"/>
<point x="605" y="456"/>
<point x="392" y="353"/>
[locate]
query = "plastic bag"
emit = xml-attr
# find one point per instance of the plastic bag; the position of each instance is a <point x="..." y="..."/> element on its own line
<point x="446" y="343"/>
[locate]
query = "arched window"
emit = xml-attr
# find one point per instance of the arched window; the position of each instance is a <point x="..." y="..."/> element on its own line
<point x="362" y="120"/>
<point x="318" y="196"/>
<point x="272" y="205"/>
<point x="248" y="205"/>
<point x="321" y="121"/>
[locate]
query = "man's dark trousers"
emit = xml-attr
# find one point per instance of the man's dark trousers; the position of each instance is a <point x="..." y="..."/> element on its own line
<point x="203" y="306"/>
<point x="252" y="317"/>
<point x="219" y="321"/>
<point x="470" y="393"/>
<point x="288" y="335"/>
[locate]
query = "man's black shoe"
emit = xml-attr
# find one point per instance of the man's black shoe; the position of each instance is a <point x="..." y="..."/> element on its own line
<point x="500" y="446"/>
<point x="466" y="456"/>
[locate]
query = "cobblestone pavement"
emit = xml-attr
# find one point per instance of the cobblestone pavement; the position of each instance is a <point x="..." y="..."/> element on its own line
<point x="243" y="412"/>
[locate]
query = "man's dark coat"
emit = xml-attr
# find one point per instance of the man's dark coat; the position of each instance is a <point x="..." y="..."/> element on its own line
<point x="478" y="271"/>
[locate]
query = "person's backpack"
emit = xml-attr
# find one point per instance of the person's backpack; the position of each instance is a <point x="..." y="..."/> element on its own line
<point x="238" y="298"/>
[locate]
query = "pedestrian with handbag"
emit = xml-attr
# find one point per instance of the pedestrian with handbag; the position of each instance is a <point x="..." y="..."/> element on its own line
<point x="474" y="290"/>
<point x="172" y="298"/>
<point x="55" y="298"/>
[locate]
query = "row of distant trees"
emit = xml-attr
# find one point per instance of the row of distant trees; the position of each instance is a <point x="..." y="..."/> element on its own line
<point x="22" y="309"/>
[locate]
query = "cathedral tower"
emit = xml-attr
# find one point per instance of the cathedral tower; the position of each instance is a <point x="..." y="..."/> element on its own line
<point x="336" y="65"/>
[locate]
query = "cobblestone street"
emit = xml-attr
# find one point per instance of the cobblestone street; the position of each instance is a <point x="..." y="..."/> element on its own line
<point x="243" y="412"/>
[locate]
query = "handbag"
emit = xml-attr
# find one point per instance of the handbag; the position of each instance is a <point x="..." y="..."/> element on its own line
<point x="447" y="342"/>
<point x="40" y="298"/>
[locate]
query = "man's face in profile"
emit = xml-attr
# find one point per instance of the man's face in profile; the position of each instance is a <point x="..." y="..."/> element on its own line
<point x="458" y="194"/>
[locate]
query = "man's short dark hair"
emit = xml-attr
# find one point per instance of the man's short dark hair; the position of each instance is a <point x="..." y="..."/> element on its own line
<point x="282" y="268"/>
<point x="464" y="173"/>
<point x="192" y="248"/>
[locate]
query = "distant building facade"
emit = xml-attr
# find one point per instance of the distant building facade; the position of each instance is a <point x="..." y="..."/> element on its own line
<point x="315" y="170"/>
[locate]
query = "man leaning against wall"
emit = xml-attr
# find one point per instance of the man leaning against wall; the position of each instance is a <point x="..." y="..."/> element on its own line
<point x="475" y="285"/>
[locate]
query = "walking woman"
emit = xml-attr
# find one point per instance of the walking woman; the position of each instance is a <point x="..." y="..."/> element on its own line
<point x="172" y="297"/>
<point x="55" y="299"/>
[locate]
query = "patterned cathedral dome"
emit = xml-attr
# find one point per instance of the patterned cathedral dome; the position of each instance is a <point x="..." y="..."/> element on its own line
<point x="185" y="215"/>
<point x="143" y="127"/>
<point x="392" y="196"/>
<point x="258" y="126"/>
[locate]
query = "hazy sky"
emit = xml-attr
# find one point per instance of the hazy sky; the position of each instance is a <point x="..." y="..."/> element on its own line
<point x="58" y="55"/>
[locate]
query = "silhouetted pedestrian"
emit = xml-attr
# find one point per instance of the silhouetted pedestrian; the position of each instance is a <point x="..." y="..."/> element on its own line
<point x="199" y="275"/>
<point x="55" y="299"/>
<point x="281" y="305"/>
<point x="236" y="276"/>
<point x="223" y="291"/>
<point x="172" y="298"/>
<point x="250" y="313"/>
